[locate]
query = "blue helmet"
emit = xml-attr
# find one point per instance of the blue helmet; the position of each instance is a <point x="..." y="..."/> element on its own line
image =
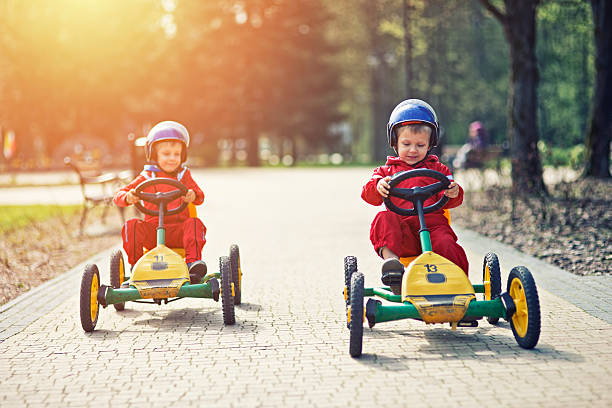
<point x="167" y="130"/>
<point x="413" y="111"/>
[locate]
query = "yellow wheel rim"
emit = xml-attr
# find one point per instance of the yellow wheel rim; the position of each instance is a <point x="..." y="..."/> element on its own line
<point x="348" y="314"/>
<point x="520" y="318"/>
<point x="487" y="283"/>
<point x="121" y="272"/>
<point x="94" y="297"/>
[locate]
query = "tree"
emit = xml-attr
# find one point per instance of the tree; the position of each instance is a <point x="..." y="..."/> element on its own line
<point x="599" y="132"/>
<point x="519" y="25"/>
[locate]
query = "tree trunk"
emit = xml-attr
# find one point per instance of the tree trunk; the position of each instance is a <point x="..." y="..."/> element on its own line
<point x="377" y="82"/>
<point x="407" y="9"/>
<point x="519" y="24"/>
<point x="599" y="131"/>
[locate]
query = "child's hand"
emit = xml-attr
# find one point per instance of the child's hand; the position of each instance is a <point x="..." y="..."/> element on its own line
<point x="452" y="191"/>
<point x="383" y="186"/>
<point x="131" y="198"/>
<point x="190" y="196"/>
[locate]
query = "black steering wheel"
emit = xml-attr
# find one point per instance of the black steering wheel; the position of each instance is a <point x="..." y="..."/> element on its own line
<point x="416" y="195"/>
<point x="161" y="198"/>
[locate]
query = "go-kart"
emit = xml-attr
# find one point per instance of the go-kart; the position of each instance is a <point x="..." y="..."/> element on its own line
<point x="435" y="290"/>
<point x="161" y="274"/>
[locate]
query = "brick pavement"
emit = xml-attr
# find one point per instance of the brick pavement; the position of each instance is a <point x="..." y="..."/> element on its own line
<point x="290" y="344"/>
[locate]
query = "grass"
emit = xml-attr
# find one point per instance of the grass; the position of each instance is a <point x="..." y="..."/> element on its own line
<point x="17" y="216"/>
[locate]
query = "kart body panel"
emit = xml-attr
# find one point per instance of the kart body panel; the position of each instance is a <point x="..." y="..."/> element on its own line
<point x="159" y="273"/>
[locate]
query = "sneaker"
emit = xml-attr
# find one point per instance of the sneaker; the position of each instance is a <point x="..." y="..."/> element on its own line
<point x="197" y="270"/>
<point x="392" y="272"/>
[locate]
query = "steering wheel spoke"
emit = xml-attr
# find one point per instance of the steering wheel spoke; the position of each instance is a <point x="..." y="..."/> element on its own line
<point x="403" y="193"/>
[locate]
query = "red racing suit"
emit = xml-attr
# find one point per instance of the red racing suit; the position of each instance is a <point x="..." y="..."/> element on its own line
<point x="182" y="231"/>
<point x="399" y="233"/>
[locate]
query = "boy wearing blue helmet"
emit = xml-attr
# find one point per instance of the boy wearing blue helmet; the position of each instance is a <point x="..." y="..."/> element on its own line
<point x="412" y="132"/>
<point x="166" y="152"/>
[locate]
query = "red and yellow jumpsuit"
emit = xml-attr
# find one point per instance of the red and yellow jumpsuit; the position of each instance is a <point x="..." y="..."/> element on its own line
<point x="399" y="233"/>
<point x="182" y="231"/>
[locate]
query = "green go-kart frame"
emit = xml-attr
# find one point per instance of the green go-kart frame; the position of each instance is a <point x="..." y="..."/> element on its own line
<point x="160" y="275"/>
<point x="435" y="290"/>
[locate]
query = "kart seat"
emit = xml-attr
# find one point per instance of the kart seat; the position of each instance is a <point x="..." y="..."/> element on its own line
<point x="406" y="260"/>
<point x="193" y="213"/>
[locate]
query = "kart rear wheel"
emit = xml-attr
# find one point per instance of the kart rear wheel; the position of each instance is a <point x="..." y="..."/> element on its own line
<point x="350" y="267"/>
<point x="236" y="273"/>
<point x="117" y="274"/>
<point x="491" y="279"/>
<point x="90" y="285"/>
<point x="355" y="314"/>
<point x="525" y="321"/>
<point x="227" y="299"/>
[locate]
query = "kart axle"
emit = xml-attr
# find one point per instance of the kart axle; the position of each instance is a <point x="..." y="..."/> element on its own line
<point x="112" y="296"/>
<point x="476" y="308"/>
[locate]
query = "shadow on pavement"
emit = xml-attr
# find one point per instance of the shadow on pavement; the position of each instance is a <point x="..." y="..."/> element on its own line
<point x="444" y="344"/>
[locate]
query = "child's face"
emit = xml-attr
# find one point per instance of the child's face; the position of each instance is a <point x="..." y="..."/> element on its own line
<point x="412" y="146"/>
<point x="169" y="155"/>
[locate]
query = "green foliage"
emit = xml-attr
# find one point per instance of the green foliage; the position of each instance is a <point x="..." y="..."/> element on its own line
<point x="555" y="156"/>
<point x="17" y="216"/>
<point x="566" y="58"/>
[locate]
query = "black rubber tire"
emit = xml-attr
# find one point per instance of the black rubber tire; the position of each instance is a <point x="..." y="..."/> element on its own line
<point x="90" y="283"/>
<point x="236" y="273"/>
<point x="356" y="315"/>
<point x="350" y="267"/>
<point x="117" y="274"/>
<point x="490" y="267"/>
<point x="227" y="300"/>
<point x="525" y="321"/>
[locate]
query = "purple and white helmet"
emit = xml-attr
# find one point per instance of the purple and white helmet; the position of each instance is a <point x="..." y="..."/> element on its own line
<point x="167" y="130"/>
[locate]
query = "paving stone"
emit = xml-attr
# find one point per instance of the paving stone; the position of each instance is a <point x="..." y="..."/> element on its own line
<point x="289" y="346"/>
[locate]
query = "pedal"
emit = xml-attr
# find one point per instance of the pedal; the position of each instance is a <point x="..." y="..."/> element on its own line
<point x="370" y="311"/>
<point x="473" y="323"/>
<point x="214" y="286"/>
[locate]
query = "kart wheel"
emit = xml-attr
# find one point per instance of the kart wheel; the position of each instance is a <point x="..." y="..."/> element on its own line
<point x="117" y="274"/>
<point x="491" y="279"/>
<point x="350" y="267"/>
<point x="227" y="299"/>
<point x="525" y="321"/>
<point x="355" y="314"/>
<point x="90" y="285"/>
<point x="236" y="273"/>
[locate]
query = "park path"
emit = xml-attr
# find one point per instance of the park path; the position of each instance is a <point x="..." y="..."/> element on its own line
<point x="289" y="346"/>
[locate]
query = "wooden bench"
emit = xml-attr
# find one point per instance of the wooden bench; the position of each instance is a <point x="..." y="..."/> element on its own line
<point x="98" y="188"/>
<point x="478" y="159"/>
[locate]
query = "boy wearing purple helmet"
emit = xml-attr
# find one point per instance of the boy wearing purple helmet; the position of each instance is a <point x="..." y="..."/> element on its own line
<point x="166" y="152"/>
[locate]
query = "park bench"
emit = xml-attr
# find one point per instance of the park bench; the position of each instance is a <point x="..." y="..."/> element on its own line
<point x="479" y="159"/>
<point x="97" y="187"/>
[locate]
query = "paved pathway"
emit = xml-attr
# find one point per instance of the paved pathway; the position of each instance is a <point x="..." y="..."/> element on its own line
<point x="290" y="344"/>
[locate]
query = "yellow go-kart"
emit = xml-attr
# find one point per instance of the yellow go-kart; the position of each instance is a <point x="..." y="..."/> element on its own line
<point x="435" y="290"/>
<point x="161" y="274"/>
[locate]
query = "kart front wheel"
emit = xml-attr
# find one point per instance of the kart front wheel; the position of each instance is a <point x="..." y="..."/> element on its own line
<point x="355" y="314"/>
<point x="525" y="321"/>
<point x="491" y="279"/>
<point x="90" y="285"/>
<point x="236" y="273"/>
<point x="117" y="274"/>
<point x="227" y="298"/>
